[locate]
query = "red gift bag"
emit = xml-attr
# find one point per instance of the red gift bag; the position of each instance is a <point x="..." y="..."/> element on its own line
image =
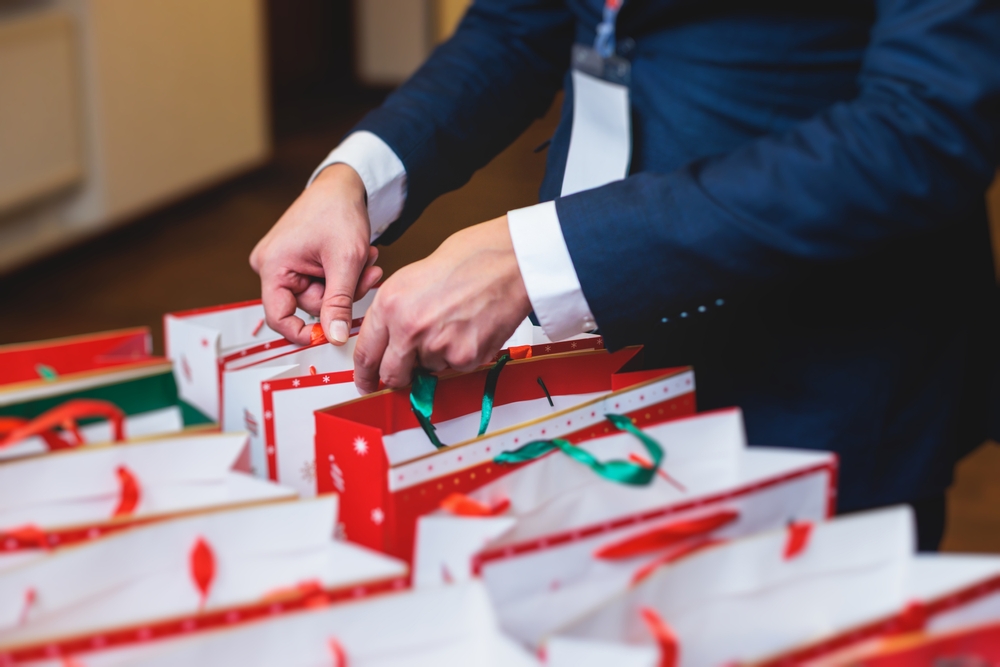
<point x="373" y="452"/>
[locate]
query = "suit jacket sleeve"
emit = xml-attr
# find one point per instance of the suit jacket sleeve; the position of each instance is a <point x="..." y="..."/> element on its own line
<point x="475" y="94"/>
<point x="911" y="153"/>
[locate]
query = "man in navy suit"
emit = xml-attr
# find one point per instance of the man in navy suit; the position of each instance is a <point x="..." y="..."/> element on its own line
<point x="803" y="218"/>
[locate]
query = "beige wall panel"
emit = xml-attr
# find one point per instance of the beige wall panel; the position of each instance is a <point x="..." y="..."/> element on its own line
<point x="181" y="89"/>
<point x="39" y="108"/>
<point x="447" y="14"/>
<point x="393" y="39"/>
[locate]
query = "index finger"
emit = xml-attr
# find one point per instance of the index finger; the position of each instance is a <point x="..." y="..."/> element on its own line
<point x="279" y="311"/>
<point x="373" y="338"/>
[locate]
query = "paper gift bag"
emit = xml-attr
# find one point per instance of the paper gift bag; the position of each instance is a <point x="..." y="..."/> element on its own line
<point x="325" y="375"/>
<point x="450" y="626"/>
<point x="80" y="495"/>
<point x="573" y="534"/>
<point x="201" y="341"/>
<point x="289" y="400"/>
<point x="762" y="596"/>
<point x="973" y="647"/>
<point x="114" y="367"/>
<point x="181" y="576"/>
<point x="943" y="595"/>
<point x="375" y="454"/>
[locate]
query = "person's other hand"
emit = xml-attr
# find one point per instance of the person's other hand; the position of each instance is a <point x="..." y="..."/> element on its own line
<point x="318" y="257"/>
<point x="454" y="309"/>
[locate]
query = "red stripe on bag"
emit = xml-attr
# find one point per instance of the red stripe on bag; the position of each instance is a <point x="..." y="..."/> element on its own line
<point x="665" y="638"/>
<point x="669" y="535"/>
<point x="202" y="568"/>
<point x="185" y="625"/>
<point x="460" y="504"/>
<point x="798" y="538"/>
<point x="129" y="494"/>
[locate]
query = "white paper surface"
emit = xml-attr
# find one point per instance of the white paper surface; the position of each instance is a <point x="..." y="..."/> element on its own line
<point x="743" y="601"/>
<point x="447" y="626"/>
<point x="144" y="574"/>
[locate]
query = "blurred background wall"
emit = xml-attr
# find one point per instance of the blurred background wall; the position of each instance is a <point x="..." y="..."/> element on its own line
<point x="112" y="108"/>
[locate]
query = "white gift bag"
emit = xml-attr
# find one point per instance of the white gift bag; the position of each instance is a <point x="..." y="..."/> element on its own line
<point x="78" y="495"/>
<point x="943" y="594"/>
<point x="568" y="537"/>
<point x="201" y="341"/>
<point x="250" y="405"/>
<point x="449" y="626"/>
<point x="180" y="576"/>
<point x="788" y="597"/>
<point x="288" y="399"/>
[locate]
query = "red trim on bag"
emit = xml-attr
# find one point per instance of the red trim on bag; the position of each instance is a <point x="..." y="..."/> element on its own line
<point x="185" y="625"/>
<point x="480" y="559"/>
<point x="267" y="400"/>
<point x="892" y="625"/>
<point x="181" y="314"/>
<point x="665" y="638"/>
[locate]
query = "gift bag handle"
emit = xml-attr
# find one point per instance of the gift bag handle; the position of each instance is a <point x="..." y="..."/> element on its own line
<point x="666" y="535"/>
<point x="67" y="416"/>
<point x="422" y="399"/>
<point x="623" y="472"/>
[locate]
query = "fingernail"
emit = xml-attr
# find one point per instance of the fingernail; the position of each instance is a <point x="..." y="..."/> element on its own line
<point x="339" y="331"/>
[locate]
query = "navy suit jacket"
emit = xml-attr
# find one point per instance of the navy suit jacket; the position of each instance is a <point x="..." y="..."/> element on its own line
<point x="804" y="218"/>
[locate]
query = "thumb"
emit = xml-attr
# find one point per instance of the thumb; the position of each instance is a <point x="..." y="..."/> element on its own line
<point x="342" y="277"/>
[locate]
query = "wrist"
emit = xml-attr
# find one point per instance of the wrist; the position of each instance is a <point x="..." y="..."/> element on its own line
<point x="342" y="179"/>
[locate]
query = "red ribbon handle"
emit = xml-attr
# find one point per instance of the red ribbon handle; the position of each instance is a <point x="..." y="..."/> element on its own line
<point x="67" y="416"/>
<point x="665" y="638"/>
<point x="460" y="504"/>
<point x="665" y="536"/>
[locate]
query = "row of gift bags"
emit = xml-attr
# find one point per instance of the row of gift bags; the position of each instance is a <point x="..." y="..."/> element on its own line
<point x="248" y="575"/>
<point x="581" y="523"/>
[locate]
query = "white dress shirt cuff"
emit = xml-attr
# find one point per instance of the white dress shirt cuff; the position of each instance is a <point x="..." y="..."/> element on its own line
<point x="381" y="171"/>
<point x="548" y="273"/>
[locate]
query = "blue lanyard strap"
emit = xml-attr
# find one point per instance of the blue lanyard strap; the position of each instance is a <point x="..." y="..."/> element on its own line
<point x="604" y="42"/>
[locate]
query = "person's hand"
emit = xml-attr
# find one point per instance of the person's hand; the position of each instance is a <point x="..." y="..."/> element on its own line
<point x="318" y="257"/>
<point x="454" y="309"/>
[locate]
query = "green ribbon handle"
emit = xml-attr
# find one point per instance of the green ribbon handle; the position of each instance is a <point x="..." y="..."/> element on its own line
<point x="422" y="402"/>
<point x="489" y="392"/>
<point x="623" y="472"/>
<point x="422" y="399"/>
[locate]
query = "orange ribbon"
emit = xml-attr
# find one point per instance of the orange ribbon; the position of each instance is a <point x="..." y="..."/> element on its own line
<point x="129" y="493"/>
<point x="66" y="416"/>
<point x="798" y="538"/>
<point x="460" y="504"/>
